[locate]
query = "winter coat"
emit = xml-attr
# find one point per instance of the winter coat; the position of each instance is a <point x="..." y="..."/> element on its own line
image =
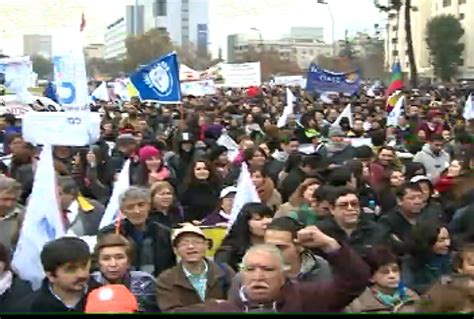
<point x="461" y="227"/>
<point x="141" y="284"/>
<point x="199" y="200"/>
<point x="215" y="218"/>
<point x="338" y="157"/>
<point x="368" y="302"/>
<point x="398" y="229"/>
<point x="18" y="290"/>
<point x="350" y="277"/>
<point x="420" y="275"/>
<point x="434" y="164"/>
<point x="153" y="250"/>
<point x="366" y="235"/>
<point x="288" y="185"/>
<point x="43" y="300"/>
<point x="176" y="293"/>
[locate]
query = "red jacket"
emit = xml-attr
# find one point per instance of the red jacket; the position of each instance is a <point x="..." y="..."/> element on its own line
<point x="444" y="184"/>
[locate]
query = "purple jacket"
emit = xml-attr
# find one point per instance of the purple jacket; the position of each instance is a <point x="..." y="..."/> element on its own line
<point x="213" y="219"/>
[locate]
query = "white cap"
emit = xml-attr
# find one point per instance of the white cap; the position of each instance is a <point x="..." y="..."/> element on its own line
<point x="187" y="228"/>
<point x="227" y="191"/>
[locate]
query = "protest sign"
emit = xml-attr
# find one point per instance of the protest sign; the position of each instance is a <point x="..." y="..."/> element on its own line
<point x="241" y="74"/>
<point x="289" y="80"/>
<point x="320" y="81"/>
<point x="198" y="88"/>
<point x="62" y="129"/>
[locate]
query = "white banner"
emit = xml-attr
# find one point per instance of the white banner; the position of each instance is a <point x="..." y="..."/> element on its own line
<point x="242" y="74"/>
<point x="18" y="74"/>
<point x="198" y="88"/>
<point x="289" y="80"/>
<point x="70" y="72"/>
<point x="61" y="128"/>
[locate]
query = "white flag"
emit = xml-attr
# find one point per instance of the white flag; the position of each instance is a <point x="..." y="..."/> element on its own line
<point x="393" y="117"/>
<point x="468" y="113"/>
<point x="120" y="89"/>
<point x="346" y="113"/>
<point x="290" y="99"/>
<point x="43" y="222"/>
<point x="246" y="193"/>
<point x="113" y="208"/>
<point x="101" y="93"/>
<point x="229" y="143"/>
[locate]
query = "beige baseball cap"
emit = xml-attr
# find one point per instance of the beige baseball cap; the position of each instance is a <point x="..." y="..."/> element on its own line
<point x="187" y="228"/>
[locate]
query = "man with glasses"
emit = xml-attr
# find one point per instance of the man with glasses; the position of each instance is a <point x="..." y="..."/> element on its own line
<point x="346" y="224"/>
<point x="195" y="280"/>
<point x="433" y="157"/>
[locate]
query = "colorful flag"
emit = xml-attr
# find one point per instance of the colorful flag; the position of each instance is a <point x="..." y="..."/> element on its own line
<point x="392" y="100"/>
<point x="246" y="193"/>
<point x="396" y="79"/>
<point x="159" y="80"/>
<point x="290" y="99"/>
<point x="394" y="116"/>
<point x="113" y="208"/>
<point x="347" y="112"/>
<point x="42" y="222"/>
<point x="468" y="113"/>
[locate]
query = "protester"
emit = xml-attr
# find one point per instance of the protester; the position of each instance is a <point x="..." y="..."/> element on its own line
<point x="66" y="262"/>
<point x="114" y="255"/>
<point x="247" y="230"/>
<point x="221" y="216"/>
<point x="433" y="157"/>
<point x="12" y="287"/>
<point x="265" y="188"/>
<point x="300" y="200"/>
<point x="195" y="280"/>
<point x="386" y="293"/>
<point x="80" y="216"/>
<point x="265" y="287"/>
<point x="11" y="213"/>
<point x="428" y="257"/>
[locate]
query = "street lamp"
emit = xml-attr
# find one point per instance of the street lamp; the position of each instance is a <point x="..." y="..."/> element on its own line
<point x="332" y="22"/>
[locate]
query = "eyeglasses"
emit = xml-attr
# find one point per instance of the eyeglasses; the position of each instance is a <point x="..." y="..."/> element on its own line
<point x="187" y="243"/>
<point x="346" y="205"/>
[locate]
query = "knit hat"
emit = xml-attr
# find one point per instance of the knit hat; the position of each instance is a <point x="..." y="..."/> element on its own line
<point x="147" y="152"/>
<point x="111" y="299"/>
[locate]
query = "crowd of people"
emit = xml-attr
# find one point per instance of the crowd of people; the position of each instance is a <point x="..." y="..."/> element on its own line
<point x="354" y="216"/>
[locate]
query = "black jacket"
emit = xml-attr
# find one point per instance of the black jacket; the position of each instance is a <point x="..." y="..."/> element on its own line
<point x="18" y="290"/>
<point x="367" y="234"/>
<point x="199" y="200"/>
<point x="291" y="182"/>
<point x="44" y="301"/>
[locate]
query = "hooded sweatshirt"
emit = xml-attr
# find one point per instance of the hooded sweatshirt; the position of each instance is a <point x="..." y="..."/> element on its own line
<point x="434" y="164"/>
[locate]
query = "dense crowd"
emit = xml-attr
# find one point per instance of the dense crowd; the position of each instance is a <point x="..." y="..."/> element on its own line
<point x="356" y="217"/>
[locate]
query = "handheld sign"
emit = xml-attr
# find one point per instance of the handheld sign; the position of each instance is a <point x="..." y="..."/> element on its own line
<point x="61" y="129"/>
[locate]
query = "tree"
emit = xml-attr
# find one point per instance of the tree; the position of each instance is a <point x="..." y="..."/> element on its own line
<point x="442" y="36"/>
<point x="271" y="63"/>
<point x="101" y="67"/>
<point x="147" y="47"/>
<point x="42" y="66"/>
<point x="396" y="6"/>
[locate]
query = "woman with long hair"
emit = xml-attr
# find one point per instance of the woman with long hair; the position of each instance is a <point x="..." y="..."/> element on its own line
<point x="152" y="168"/>
<point x="428" y="257"/>
<point x="387" y="198"/>
<point x="301" y="198"/>
<point x="201" y="191"/>
<point x="247" y="230"/>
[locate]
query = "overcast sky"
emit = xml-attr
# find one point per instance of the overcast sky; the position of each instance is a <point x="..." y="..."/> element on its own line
<point x="272" y="17"/>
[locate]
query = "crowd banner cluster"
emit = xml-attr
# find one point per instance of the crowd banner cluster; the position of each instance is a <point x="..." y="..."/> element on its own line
<point x="320" y="81"/>
<point x="240" y="75"/>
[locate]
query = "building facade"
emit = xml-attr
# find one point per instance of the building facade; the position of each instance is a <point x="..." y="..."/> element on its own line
<point x="35" y="44"/>
<point x="116" y="33"/>
<point x="396" y="45"/>
<point x="94" y="51"/>
<point x="301" y="49"/>
<point x="186" y="21"/>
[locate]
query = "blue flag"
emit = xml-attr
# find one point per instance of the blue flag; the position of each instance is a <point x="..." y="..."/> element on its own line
<point x="159" y="80"/>
<point x="320" y="81"/>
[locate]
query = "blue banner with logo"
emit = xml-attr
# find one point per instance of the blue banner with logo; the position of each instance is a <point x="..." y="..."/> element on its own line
<point x="320" y="80"/>
<point x="159" y="80"/>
